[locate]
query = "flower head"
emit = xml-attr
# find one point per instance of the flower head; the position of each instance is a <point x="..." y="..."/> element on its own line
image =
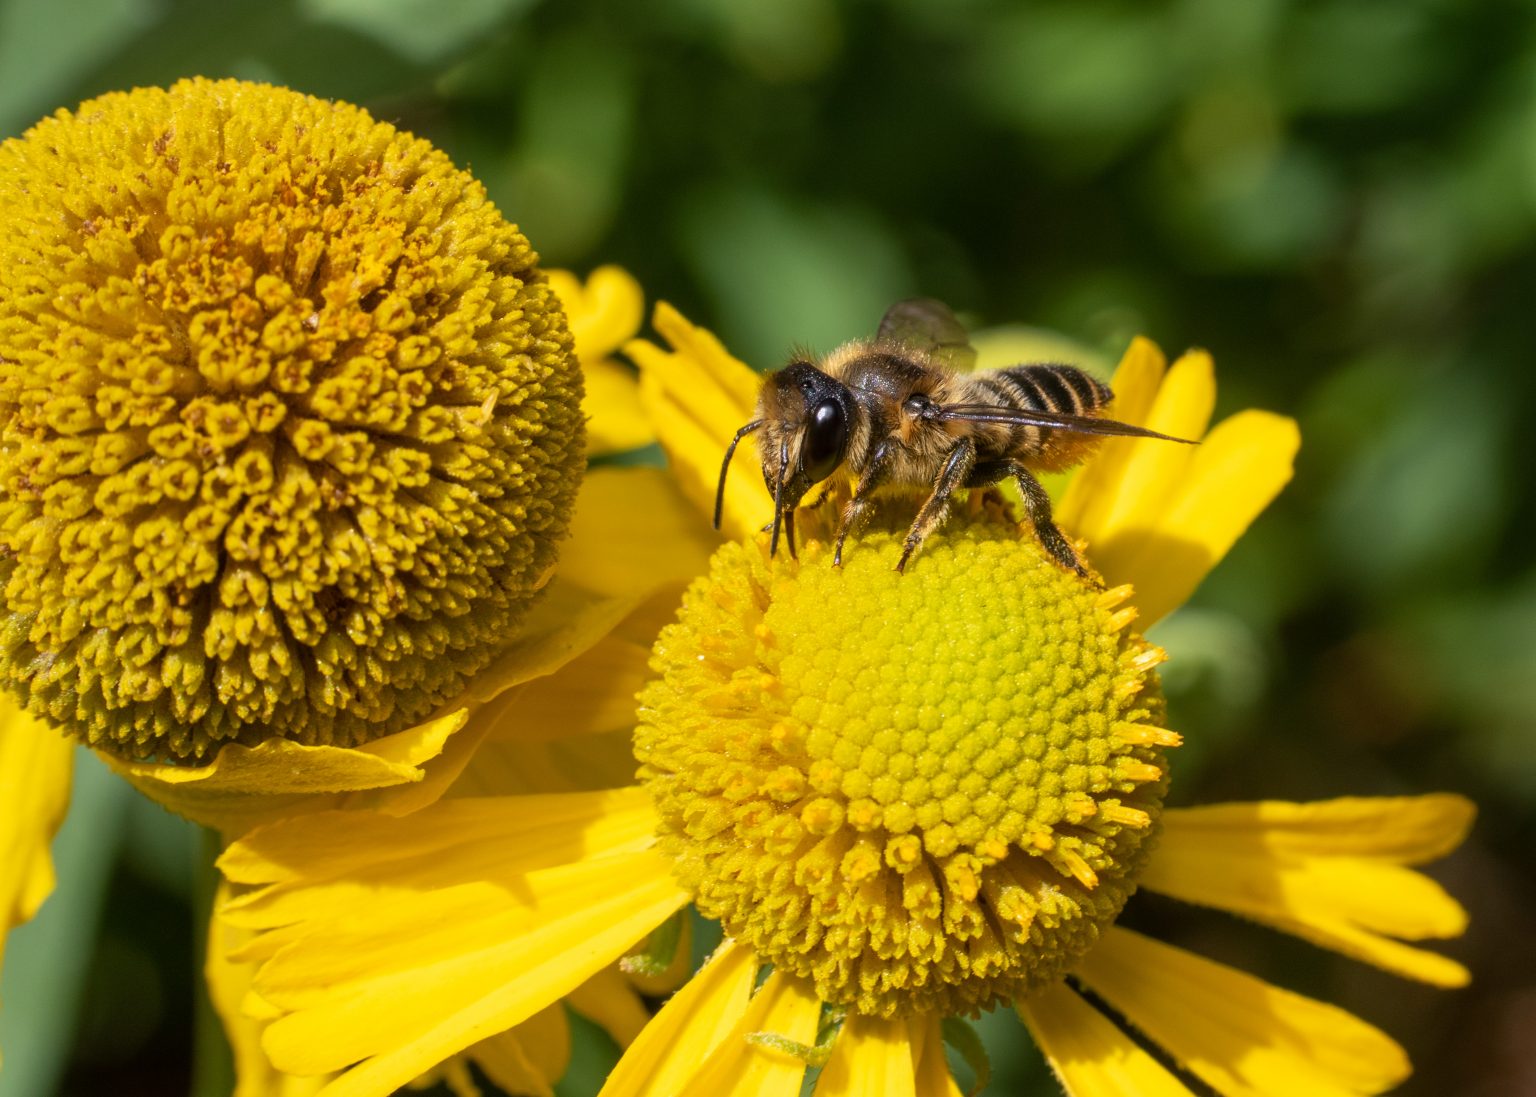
<point x="904" y="797"/>
<point x="291" y="422"/>
<point x="925" y="791"/>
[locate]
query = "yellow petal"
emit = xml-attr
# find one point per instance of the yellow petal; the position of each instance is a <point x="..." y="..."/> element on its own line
<point x="697" y="396"/>
<point x="246" y="786"/>
<point x="506" y="905"/>
<point x="689" y="1027"/>
<point x="634" y="532"/>
<point x="1329" y="872"/>
<point x="1166" y="548"/>
<point x="1092" y="493"/>
<point x="507" y="962"/>
<point x="228" y="985"/>
<point x="872" y="1058"/>
<point x="35" y="770"/>
<point x="933" y="1076"/>
<point x="530" y="1058"/>
<point x="783" y="1007"/>
<point x="1406" y="830"/>
<point x="716" y="388"/>
<point x="609" y="1000"/>
<point x="694" y="455"/>
<point x="616" y="420"/>
<point x="1090" y="1056"/>
<point x="603" y="314"/>
<point x="577" y="763"/>
<point x="595" y="691"/>
<point x="35" y="766"/>
<point x="328" y="864"/>
<point x="1153" y="469"/>
<point x="1238" y="1033"/>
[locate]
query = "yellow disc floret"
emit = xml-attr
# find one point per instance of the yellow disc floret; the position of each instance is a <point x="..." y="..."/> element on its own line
<point x="922" y="792"/>
<point x="291" y="422"/>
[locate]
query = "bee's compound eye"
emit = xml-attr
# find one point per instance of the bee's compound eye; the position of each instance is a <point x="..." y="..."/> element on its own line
<point x="826" y="437"/>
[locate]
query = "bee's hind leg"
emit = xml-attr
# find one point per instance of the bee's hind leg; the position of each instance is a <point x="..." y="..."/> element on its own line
<point x="1038" y="505"/>
<point x="962" y="459"/>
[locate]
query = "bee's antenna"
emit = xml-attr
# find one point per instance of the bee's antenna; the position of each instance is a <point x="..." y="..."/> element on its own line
<point x="725" y="466"/>
<point x="778" y="497"/>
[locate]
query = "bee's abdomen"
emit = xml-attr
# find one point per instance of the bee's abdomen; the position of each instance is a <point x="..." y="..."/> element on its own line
<point x="1065" y="390"/>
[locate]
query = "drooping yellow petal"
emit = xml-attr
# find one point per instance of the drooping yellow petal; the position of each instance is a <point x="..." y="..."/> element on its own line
<point x="1330" y="872"/>
<point x="1089" y="1054"/>
<point x="1243" y="1036"/>
<point x="507" y="906"/>
<point x="595" y="691"/>
<point x="1226" y="482"/>
<point x="634" y="531"/>
<point x="697" y="396"/>
<point x="229" y="982"/>
<point x="872" y="1058"/>
<point x="300" y="869"/>
<point x="574" y="763"/>
<point x="688" y="1029"/>
<point x="244" y="787"/>
<point x="738" y="1067"/>
<point x="933" y="1076"/>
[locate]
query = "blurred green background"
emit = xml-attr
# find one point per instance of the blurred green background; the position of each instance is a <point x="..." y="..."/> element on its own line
<point x="1337" y="198"/>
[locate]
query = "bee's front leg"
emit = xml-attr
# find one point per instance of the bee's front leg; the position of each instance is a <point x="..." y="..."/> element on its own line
<point x="857" y="509"/>
<point x="962" y="459"/>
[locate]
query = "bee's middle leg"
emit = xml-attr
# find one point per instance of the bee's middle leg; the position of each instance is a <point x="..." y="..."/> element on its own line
<point x="962" y="459"/>
<point x="1038" y="505"/>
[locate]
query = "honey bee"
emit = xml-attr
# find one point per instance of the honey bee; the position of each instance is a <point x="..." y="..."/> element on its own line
<point x="897" y="413"/>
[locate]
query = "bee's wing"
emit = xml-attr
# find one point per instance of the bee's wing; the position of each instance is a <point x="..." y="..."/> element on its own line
<point x="928" y="325"/>
<point x="1020" y="417"/>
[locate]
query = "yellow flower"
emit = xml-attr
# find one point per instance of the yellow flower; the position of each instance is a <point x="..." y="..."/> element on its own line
<point x="291" y="422"/>
<point x="904" y="797"/>
<point x="292" y="428"/>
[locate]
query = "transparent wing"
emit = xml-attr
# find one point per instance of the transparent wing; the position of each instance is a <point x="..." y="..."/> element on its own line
<point x="1077" y="424"/>
<point x="928" y="325"/>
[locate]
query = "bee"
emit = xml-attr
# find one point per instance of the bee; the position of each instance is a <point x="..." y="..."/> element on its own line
<point x="898" y="413"/>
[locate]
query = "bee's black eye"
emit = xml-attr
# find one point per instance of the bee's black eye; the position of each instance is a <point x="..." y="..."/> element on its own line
<point x="826" y="437"/>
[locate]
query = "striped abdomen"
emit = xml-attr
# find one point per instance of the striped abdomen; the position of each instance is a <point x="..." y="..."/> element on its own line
<point x="1063" y="390"/>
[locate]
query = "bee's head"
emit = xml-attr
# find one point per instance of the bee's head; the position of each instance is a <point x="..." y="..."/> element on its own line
<point x="809" y="417"/>
<point x="805" y="418"/>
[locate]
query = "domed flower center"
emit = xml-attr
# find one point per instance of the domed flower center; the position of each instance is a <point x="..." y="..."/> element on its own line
<point x="291" y="423"/>
<point x="927" y="791"/>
